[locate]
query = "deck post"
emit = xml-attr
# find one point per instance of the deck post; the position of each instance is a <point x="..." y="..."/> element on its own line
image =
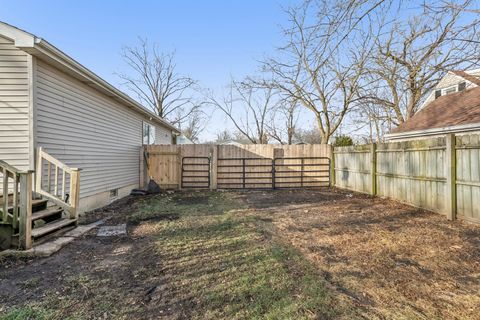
<point x="25" y="224"/>
<point x="5" y="195"/>
<point x="74" y="192"/>
<point x="451" y="191"/>
<point x="38" y="175"/>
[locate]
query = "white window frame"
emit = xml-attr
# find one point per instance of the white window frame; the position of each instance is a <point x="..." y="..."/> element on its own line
<point x="445" y="90"/>
<point x="148" y="133"/>
<point x="455" y="87"/>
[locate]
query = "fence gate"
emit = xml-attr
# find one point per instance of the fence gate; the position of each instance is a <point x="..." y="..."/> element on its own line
<point x="235" y="167"/>
<point x="195" y="172"/>
<point x="301" y="172"/>
<point x="244" y="173"/>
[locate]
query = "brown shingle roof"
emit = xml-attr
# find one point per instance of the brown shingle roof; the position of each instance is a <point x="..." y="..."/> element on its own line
<point x="450" y="110"/>
<point x="467" y="76"/>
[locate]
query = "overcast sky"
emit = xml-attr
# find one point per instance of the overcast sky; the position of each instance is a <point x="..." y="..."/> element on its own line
<point x="214" y="39"/>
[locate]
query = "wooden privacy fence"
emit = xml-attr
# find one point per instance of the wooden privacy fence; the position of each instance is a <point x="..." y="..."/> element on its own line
<point x="438" y="174"/>
<point x="236" y="167"/>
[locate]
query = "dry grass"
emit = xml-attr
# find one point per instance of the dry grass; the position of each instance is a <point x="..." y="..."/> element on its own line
<point x="390" y="261"/>
<point x="257" y="255"/>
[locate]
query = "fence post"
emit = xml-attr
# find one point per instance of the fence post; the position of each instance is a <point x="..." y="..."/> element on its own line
<point x="142" y="168"/>
<point x="25" y="223"/>
<point x="179" y="166"/>
<point x="332" y="166"/>
<point x="373" y="168"/>
<point x="213" y="169"/>
<point x="451" y="194"/>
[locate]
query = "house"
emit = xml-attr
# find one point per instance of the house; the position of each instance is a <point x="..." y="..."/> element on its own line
<point x="183" y="139"/>
<point x="49" y="100"/>
<point x="452" y="107"/>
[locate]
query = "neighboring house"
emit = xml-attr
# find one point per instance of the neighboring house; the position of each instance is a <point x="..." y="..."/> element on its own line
<point x="454" y="81"/>
<point x="49" y="100"/>
<point x="452" y="107"/>
<point x="182" y="139"/>
<point x="231" y="143"/>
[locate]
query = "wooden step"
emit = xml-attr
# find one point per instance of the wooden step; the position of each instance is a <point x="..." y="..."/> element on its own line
<point x="46" y="213"/>
<point x="39" y="202"/>
<point x="35" y="203"/>
<point x="52" y="226"/>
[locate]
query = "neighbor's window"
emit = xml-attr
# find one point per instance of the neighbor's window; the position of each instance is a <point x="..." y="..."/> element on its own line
<point x="148" y="133"/>
<point x="450" y="90"/>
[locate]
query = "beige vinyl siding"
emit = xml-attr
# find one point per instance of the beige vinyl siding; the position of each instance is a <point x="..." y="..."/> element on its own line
<point x="162" y="135"/>
<point x="88" y="130"/>
<point x="14" y="105"/>
<point x="448" y="81"/>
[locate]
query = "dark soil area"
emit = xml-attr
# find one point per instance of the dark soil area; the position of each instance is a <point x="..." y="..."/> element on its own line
<point x="295" y="254"/>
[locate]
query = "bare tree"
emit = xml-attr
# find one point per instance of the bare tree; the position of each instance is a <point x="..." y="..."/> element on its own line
<point x="224" y="136"/>
<point x="308" y="136"/>
<point x="193" y="126"/>
<point x="412" y="56"/>
<point x="283" y="122"/>
<point x="323" y="61"/>
<point x="157" y="84"/>
<point x="247" y="107"/>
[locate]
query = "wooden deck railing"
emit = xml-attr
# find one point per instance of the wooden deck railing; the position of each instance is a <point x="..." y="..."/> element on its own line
<point x="58" y="182"/>
<point x="16" y="201"/>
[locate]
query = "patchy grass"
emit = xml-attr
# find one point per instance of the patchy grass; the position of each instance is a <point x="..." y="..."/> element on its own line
<point x="323" y="254"/>
<point x="218" y="260"/>
<point x="190" y="256"/>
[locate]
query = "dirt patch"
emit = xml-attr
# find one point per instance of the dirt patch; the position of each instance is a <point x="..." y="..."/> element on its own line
<point x="390" y="260"/>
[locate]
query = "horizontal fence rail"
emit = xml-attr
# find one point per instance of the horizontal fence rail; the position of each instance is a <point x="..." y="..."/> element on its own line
<point x="301" y="172"/>
<point x="235" y="166"/>
<point x="244" y="173"/>
<point x="438" y="174"/>
<point x="195" y="172"/>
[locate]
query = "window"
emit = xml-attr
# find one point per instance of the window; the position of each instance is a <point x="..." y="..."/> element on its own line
<point x="450" y="90"/>
<point x="148" y="133"/>
<point x="113" y="193"/>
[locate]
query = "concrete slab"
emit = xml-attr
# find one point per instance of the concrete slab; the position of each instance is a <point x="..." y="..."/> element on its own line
<point x="108" y="231"/>
<point x="48" y="248"/>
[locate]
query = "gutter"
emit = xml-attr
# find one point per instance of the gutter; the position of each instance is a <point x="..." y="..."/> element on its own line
<point x="433" y="131"/>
